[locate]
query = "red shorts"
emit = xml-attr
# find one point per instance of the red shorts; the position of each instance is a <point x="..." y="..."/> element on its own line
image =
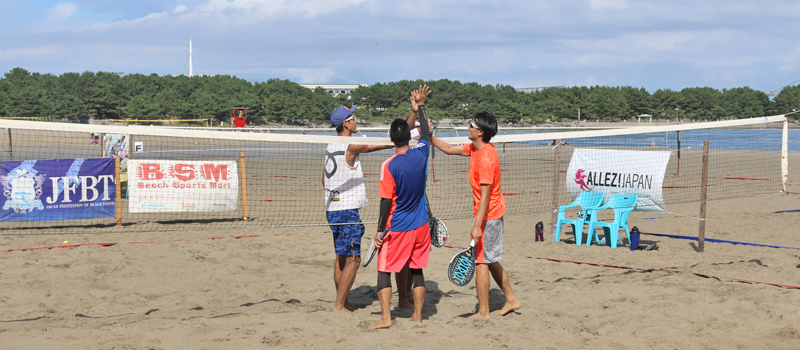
<point x="408" y="247"/>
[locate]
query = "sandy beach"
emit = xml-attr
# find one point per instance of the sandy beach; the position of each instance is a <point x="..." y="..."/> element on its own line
<point x="273" y="288"/>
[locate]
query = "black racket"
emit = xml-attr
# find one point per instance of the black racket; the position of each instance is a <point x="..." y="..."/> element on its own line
<point x="372" y="250"/>
<point x="462" y="266"/>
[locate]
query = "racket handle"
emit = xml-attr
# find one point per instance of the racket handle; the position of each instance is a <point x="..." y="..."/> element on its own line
<point x="472" y="243"/>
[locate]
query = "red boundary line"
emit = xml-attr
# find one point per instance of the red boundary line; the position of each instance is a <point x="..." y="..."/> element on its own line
<point x="114" y="243"/>
<point x="661" y="270"/>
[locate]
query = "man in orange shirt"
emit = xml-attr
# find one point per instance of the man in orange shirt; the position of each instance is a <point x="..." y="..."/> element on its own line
<point x="490" y="205"/>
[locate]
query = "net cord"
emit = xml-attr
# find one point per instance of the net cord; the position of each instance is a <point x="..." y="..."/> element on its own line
<point x="276" y="137"/>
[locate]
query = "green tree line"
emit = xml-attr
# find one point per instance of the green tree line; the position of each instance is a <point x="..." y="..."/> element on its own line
<point x="104" y="95"/>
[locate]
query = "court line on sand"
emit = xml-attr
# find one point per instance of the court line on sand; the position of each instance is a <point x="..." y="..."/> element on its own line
<point x="446" y="246"/>
<point x="114" y="243"/>
<point x="641" y="269"/>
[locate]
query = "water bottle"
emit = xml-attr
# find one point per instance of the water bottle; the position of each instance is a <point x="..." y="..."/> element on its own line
<point x="539" y="231"/>
<point x="635" y="237"/>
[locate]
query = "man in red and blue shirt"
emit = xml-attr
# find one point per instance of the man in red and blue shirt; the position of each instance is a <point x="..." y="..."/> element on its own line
<point x="403" y="207"/>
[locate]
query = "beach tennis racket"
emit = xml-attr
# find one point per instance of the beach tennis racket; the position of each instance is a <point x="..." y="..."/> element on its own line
<point x="439" y="234"/>
<point x="462" y="267"/>
<point x="372" y="250"/>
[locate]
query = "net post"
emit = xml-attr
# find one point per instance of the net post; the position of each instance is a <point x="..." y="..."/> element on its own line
<point x="243" y="177"/>
<point x="101" y="142"/>
<point x="679" y="154"/>
<point x="118" y="187"/>
<point x="10" y="145"/>
<point x="554" y="216"/>
<point x="785" y="153"/>
<point x="131" y="147"/>
<point x="703" y="192"/>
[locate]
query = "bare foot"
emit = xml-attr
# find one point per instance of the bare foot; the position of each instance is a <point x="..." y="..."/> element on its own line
<point x="382" y="324"/>
<point x="508" y="307"/>
<point x="347" y="307"/>
<point x="416" y="318"/>
<point x="477" y="315"/>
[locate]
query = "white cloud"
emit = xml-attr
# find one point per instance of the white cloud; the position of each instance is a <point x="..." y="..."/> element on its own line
<point x="239" y="13"/>
<point x="62" y="11"/>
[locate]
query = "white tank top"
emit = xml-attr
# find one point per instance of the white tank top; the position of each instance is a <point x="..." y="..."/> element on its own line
<point x="344" y="185"/>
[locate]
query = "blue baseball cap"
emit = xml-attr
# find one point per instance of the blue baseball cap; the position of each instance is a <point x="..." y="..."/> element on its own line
<point x="340" y="114"/>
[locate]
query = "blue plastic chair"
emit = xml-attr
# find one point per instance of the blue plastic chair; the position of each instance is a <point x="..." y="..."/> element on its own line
<point x="622" y="204"/>
<point x="587" y="201"/>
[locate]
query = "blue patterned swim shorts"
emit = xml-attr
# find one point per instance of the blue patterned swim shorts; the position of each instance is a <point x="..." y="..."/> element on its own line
<point x="346" y="238"/>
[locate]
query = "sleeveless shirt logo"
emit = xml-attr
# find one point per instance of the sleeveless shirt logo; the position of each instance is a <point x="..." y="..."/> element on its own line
<point x="332" y="160"/>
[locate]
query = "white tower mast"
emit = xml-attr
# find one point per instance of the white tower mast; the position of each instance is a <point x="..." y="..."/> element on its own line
<point x="191" y="58"/>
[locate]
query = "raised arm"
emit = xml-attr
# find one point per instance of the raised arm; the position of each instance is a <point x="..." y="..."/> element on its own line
<point x="417" y="98"/>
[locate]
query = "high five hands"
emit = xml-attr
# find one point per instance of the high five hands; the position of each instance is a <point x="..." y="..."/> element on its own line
<point x="418" y="97"/>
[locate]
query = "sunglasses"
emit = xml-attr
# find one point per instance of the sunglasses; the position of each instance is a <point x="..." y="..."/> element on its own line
<point x="351" y="117"/>
<point x="472" y="125"/>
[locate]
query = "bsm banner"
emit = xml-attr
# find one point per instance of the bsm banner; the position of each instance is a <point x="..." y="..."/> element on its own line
<point x="179" y="186"/>
<point x="615" y="171"/>
<point x="55" y="190"/>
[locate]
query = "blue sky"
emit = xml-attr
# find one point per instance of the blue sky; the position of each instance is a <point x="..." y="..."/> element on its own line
<point x="652" y="44"/>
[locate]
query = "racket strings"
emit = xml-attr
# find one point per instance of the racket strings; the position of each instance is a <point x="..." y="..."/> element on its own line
<point x="461" y="270"/>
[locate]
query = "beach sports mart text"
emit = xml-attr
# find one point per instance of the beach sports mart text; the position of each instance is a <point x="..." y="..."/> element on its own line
<point x="179" y="186"/>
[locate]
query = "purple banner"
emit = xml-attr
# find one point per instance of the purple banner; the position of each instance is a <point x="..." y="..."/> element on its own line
<point x="57" y="190"/>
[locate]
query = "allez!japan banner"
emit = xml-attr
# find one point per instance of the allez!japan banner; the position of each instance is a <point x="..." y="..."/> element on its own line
<point x="56" y="190"/>
<point x="180" y="186"/>
<point x="615" y="171"/>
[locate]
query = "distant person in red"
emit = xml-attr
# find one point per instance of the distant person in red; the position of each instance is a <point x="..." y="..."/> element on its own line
<point x="240" y="122"/>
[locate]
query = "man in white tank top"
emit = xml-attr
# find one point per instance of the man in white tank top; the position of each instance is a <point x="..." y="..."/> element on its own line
<point x="345" y="193"/>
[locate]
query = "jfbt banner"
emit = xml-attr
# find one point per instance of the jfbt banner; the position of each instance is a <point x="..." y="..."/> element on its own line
<point x="614" y="171"/>
<point x="177" y="186"/>
<point x="55" y="190"/>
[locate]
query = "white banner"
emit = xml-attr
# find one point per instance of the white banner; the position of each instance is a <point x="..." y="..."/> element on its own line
<point x="179" y="186"/>
<point x="613" y="171"/>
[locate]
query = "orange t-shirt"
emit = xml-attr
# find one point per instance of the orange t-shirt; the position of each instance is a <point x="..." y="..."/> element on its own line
<point x="484" y="169"/>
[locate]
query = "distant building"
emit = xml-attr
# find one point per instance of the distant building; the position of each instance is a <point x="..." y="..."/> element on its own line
<point x="771" y="94"/>
<point x="536" y="89"/>
<point x="334" y="89"/>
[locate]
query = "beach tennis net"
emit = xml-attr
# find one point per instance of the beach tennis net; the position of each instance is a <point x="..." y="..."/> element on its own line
<point x="60" y="178"/>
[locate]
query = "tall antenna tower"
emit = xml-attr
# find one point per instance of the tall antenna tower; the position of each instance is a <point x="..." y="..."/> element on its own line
<point x="191" y="59"/>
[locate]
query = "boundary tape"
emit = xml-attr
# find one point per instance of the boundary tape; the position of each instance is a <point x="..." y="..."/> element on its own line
<point x="659" y="270"/>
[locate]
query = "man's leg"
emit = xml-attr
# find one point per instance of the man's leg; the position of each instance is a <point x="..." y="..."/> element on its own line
<point x="501" y="278"/>
<point x="419" y="293"/>
<point x="349" y="267"/>
<point x="403" y="281"/>
<point x="482" y="287"/>
<point x="385" y="297"/>
<point x="338" y="263"/>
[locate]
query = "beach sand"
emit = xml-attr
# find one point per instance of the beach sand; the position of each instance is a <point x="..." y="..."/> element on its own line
<point x="209" y="290"/>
